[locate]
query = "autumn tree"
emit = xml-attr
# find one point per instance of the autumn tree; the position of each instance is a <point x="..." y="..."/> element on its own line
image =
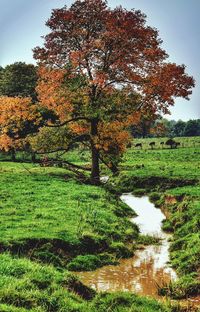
<point x="102" y="67"/>
<point x="18" y="118"/>
<point x="158" y="129"/>
<point x="145" y="124"/>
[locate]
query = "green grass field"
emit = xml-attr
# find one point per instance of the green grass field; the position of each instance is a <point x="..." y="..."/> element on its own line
<point x="182" y="162"/>
<point x="47" y="214"/>
<point x="28" y="286"/>
<point x="174" y="174"/>
<point x="51" y="222"/>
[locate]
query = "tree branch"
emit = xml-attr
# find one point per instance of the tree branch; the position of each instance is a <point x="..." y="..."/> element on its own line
<point x="78" y="138"/>
<point x="68" y="121"/>
<point x="113" y="168"/>
<point x="55" y="161"/>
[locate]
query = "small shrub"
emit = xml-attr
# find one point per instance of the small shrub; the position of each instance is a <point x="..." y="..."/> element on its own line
<point x="167" y="226"/>
<point x="84" y="263"/>
<point x="148" y="240"/>
<point x="139" y="192"/>
<point x="120" y="250"/>
<point x="154" y="196"/>
<point x="186" y="286"/>
<point x="90" y="262"/>
<point x="92" y="242"/>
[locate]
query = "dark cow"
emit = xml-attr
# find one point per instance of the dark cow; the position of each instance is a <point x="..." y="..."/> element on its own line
<point x="162" y="143"/>
<point x="138" y="145"/>
<point x="171" y="143"/>
<point x="178" y="144"/>
<point x="152" y="144"/>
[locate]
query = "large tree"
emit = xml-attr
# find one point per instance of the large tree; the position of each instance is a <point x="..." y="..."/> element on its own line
<point x="100" y="67"/>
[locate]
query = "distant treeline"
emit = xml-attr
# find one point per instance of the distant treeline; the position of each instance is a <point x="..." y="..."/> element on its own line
<point x="166" y="128"/>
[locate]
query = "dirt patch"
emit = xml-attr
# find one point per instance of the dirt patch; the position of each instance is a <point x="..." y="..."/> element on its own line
<point x="79" y="288"/>
<point x="170" y="200"/>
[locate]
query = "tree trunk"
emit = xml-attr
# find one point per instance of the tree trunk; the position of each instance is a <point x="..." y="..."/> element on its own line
<point x="95" y="172"/>
<point x="13" y="157"/>
<point x="33" y="157"/>
<point x="114" y="169"/>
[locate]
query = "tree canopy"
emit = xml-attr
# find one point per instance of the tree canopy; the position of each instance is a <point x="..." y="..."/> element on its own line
<point x="100" y="71"/>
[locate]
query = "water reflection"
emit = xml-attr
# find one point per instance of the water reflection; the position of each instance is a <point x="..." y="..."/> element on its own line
<point x="149" y="219"/>
<point x="148" y="267"/>
<point x="139" y="274"/>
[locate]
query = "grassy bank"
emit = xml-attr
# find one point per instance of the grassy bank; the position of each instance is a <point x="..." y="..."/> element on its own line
<point x="171" y="178"/>
<point x="183" y="205"/>
<point x="28" y="286"/>
<point x="47" y="215"/>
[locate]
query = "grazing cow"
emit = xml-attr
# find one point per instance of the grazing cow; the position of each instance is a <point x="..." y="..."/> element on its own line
<point x="171" y="143"/>
<point x="152" y="144"/>
<point x="138" y="145"/>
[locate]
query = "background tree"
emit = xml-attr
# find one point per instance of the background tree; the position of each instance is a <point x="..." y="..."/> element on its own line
<point x="179" y="128"/>
<point x="19" y="79"/>
<point x="94" y="62"/>
<point x="168" y="128"/>
<point x="18" y="118"/>
<point x="1" y="72"/>
<point x="169" y="124"/>
<point x="192" y="128"/>
<point x="147" y="122"/>
<point x="159" y="129"/>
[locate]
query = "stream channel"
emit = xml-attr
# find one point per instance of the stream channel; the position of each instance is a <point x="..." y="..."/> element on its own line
<point x="148" y="267"/>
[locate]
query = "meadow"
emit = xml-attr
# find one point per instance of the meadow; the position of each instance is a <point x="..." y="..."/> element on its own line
<point x="181" y="162"/>
<point x="171" y="179"/>
<point x="28" y="286"/>
<point x="48" y="215"/>
<point x="52" y="223"/>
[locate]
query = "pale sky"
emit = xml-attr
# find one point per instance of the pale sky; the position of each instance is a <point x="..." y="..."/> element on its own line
<point x="22" y="23"/>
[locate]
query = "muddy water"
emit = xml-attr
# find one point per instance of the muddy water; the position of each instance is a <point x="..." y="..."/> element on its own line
<point x="148" y="267"/>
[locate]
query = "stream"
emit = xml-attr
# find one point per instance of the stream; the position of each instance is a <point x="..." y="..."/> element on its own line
<point x="148" y="267"/>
